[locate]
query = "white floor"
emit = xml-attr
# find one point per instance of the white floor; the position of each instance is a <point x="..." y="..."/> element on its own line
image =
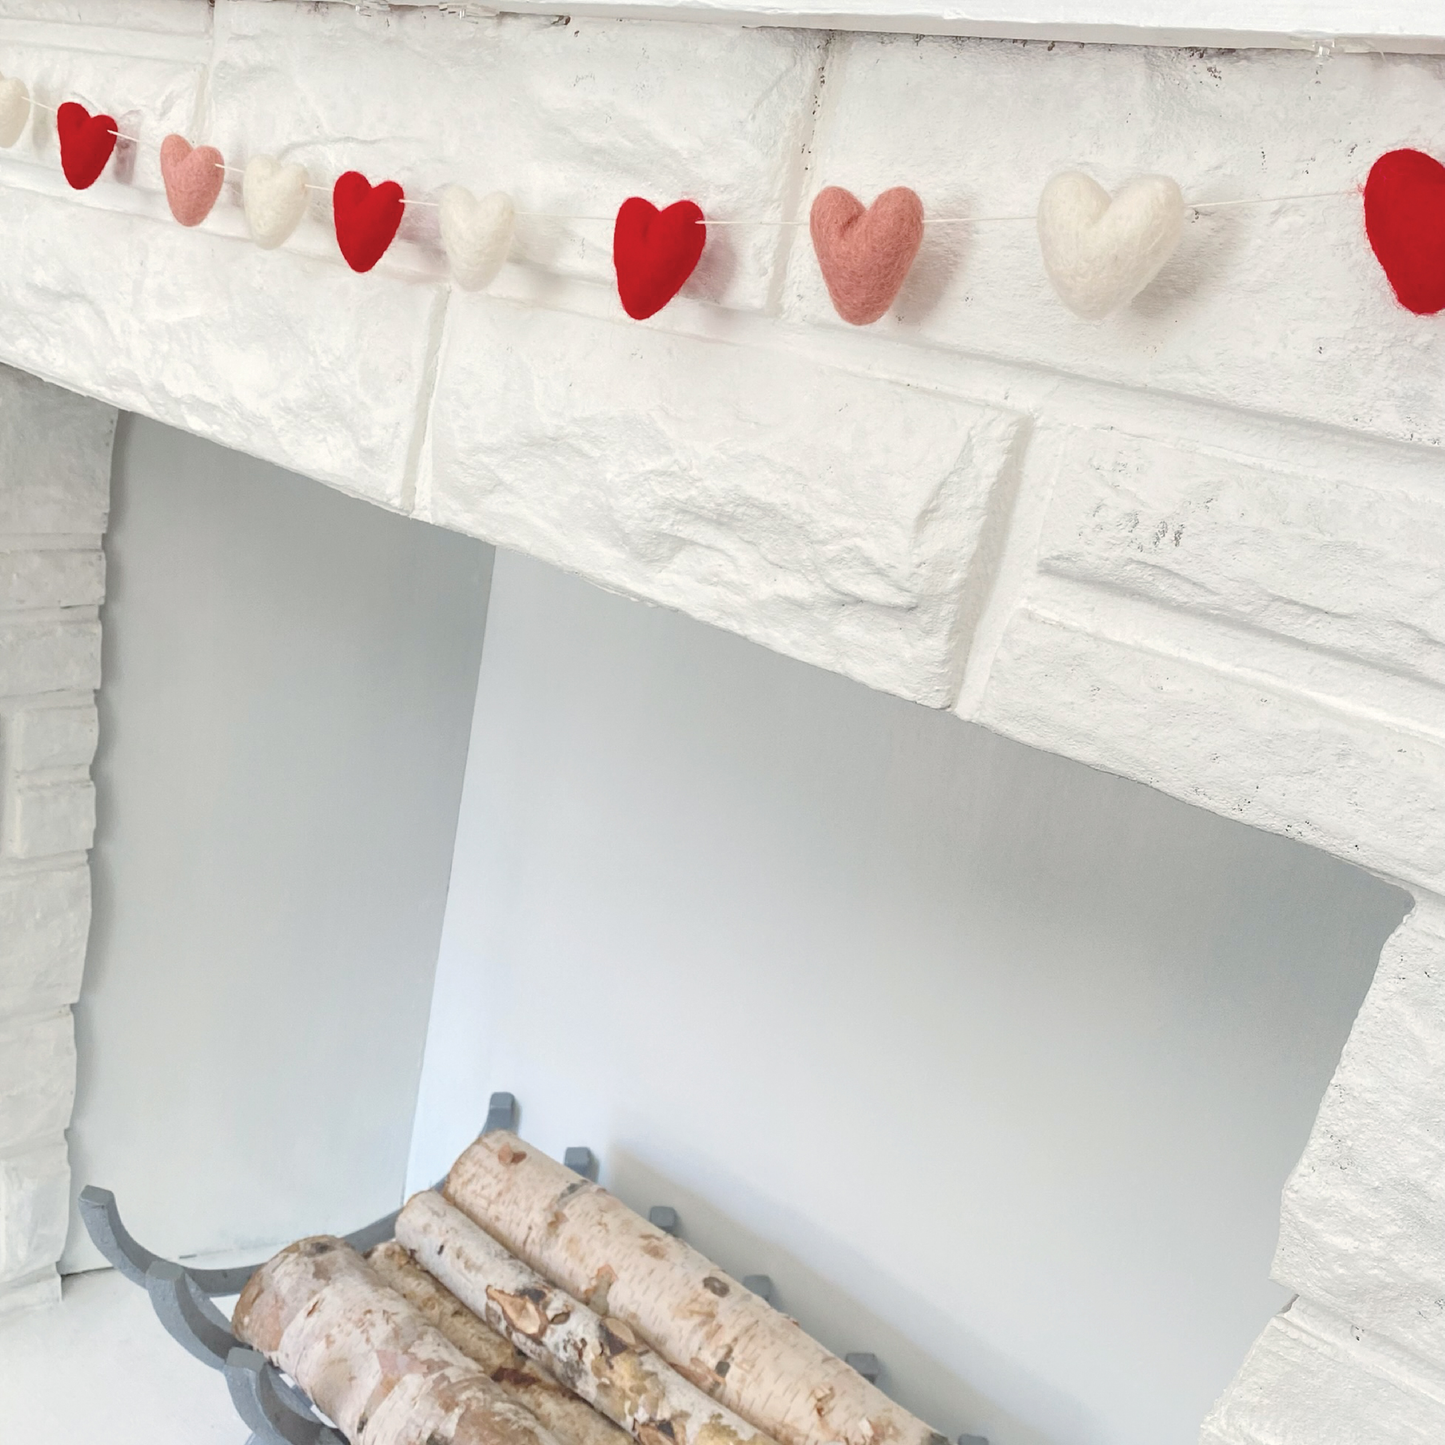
<point x="100" y="1370"/>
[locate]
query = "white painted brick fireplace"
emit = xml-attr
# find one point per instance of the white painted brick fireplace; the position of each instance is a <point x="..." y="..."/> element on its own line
<point x="1201" y="545"/>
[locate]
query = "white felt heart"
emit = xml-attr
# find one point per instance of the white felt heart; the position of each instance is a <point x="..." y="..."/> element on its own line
<point x="274" y="196"/>
<point x="477" y="234"/>
<point x="14" y="110"/>
<point x="1101" y="253"/>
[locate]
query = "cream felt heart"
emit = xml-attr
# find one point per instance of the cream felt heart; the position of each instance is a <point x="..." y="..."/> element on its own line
<point x="477" y="234"/>
<point x="14" y="110"/>
<point x="274" y="196"/>
<point x="1100" y="252"/>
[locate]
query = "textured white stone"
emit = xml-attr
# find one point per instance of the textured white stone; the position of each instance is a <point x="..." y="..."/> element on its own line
<point x="44" y="1289"/>
<point x="1280" y="308"/>
<point x="567" y="118"/>
<point x="44" y="922"/>
<point x="1344" y="563"/>
<point x="51" y="737"/>
<point x="1234" y="744"/>
<point x="834" y="517"/>
<point x="54" y="484"/>
<point x="1313" y="1380"/>
<point x="54" y="457"/>
<point x="45" y="655"/>
<point x="37" y="1077"/>
<point x="34" y="1209"/>
<point x="290" y="357"/>
<point x="1364" y="1210"/>
<point x="42" y="818"/>
<point x="51" y="578"/>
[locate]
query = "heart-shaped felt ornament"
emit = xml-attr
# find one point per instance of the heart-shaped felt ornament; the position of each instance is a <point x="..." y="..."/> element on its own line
<point x="366" y="218"/>
<point x="14" y="110"/>
<point x="477" y="234"/>
<point x="193" y="177"/>
<point x="274" y="198"/>
<point x="1101" y="252"/>
<point x="86" y="142"/>
<point x="864" y="254"/>
<point x="654" y="252"/>
<point x="1405" y="221"/>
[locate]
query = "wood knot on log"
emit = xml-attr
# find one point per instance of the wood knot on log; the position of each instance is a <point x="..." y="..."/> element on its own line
<point x="713" y="1285"/>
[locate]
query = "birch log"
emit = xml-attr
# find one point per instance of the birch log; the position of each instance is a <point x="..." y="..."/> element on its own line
<point x="601" y="1359"/>
<point x="571" y="1420"/>
<point x="723" y="1337"/>
<point x="368" y="1359"/>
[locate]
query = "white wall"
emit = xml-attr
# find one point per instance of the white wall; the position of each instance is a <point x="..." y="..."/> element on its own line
<point x="288" y="678"/>
<point x="994" y="1062"/>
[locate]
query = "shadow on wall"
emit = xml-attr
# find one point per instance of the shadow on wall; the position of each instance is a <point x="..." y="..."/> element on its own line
<point x="920" y="1381"/>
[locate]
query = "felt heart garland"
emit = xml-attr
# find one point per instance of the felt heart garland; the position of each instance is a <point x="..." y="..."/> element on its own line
<point x="476" y="234"/>
<point x="1405" y="222"/>
<point x="1101" y="251"/>
<point x="86" y="142"/>
<point x="193" y="177"/>
<point x="274" y="198"/>
<point x="14" y="110"/>
<point x="367" y="217"/>
<point x="654" y="252"/>
<point x="865" y="255"/>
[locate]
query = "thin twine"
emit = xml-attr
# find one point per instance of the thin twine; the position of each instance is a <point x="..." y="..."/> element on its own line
<point x="761" y="221"/>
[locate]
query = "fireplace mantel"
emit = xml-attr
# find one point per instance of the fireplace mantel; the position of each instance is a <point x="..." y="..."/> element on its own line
<point x="1201" y="544"/>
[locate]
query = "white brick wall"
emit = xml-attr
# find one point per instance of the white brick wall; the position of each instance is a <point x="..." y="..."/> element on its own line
<point x="54" y="485"/>
<point x="1200" y="544"/>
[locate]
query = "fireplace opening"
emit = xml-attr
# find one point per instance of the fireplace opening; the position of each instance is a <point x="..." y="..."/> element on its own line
<point x="993" y="1063"/>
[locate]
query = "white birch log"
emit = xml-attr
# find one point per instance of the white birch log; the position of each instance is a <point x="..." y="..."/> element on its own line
<point x="570" y="1419"/>
<point x="601" y="1359"/>
<point x="368" y="1359"/>
<point x="723" y="1337"/>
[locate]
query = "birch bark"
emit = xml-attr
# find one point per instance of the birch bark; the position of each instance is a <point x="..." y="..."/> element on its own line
<point x="724" y="1338"/>
<point x="601" y="1359"/>
<point x="368" y="1359"/>
<point x="570" y="1419"/>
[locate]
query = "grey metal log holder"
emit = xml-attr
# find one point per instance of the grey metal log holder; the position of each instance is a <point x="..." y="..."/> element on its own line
<point x="275" y="1410"/>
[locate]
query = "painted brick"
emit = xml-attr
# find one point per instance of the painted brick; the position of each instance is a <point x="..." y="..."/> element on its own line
<point x="1277" y="308"/>
<point x="40" y="655"/>
<point x="1364" y="1210"/>
<point x="37" y="1077"/>
<point x="34" y="1209"/>
<point x="54" y="456"/>
<point x="1227" y="742"/>
<point x="1302" y="1386"/>
<point x="292" y="357"/>
<point x="52" y="578"/>
<point x="36" y="1293"/>
<point x="1347" y="564"/>
<point x="833" y="517"/>
<point x="44" y="922"/>
<point x="51" y="737"/>
<point x="50" y="817"/>
<point x="568" y="118"/>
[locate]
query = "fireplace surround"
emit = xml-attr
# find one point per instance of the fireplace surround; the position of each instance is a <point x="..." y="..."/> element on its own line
<point x="1198" y="545"/>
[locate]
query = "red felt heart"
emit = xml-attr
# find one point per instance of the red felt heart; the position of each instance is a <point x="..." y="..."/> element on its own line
<point x="655" y="252"/>
<point x="1405" y="221"/>
<point x="86" y="142"/>
<point x="366" y="218"/>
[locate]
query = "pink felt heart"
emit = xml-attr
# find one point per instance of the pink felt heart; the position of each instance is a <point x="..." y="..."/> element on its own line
<point x="864" y="255"/>
<point x="193" y="178"/>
